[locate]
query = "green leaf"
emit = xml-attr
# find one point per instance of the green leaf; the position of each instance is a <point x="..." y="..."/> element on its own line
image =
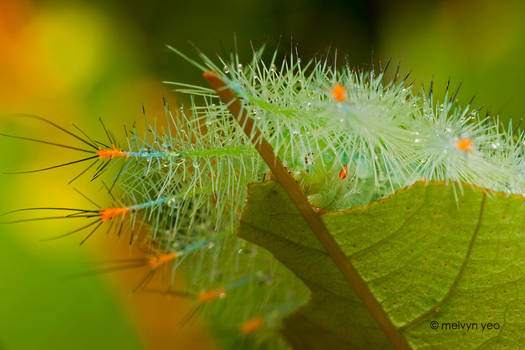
<point x="432" y="254"/>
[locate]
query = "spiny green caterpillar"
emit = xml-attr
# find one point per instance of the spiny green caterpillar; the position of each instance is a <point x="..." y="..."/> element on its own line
<point x="347" y="137"/>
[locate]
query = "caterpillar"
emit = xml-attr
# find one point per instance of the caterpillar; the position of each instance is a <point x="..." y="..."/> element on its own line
<point x="347" y="137"/>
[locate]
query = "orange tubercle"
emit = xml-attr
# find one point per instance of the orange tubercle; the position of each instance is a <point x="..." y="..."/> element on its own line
<point x="162" y="259"/>
<point x="343" y="172"/>
<point x="219" y="293"/>
<point x="109" y="213"/>
<point x="111" y="153"/>
<point x="465" y="145"/>
<point x="252" y="325"/>
<point x="338" y="92"/>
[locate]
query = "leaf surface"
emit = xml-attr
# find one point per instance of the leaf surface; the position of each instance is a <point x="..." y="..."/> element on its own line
<point x="427" y="257"/>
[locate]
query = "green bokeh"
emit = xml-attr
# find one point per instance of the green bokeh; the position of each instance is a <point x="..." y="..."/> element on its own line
<point x="39" y="309"/>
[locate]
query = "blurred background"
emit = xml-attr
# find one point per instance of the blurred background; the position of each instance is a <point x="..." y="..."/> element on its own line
<point x="75" y="61"/>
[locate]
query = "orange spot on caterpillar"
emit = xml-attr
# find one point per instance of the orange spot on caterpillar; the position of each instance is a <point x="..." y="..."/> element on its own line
<point x="424" y="179"/>
<point x="338" y="92"/>
<point x="252" y="325"/>
<point x="465" y="145"/>
<point x="111" y="153"/>
<point x="219" y="293"/>
<point x="343" y="172"/>
<point x="161" y="259"/>
<point x="109" y="213"/>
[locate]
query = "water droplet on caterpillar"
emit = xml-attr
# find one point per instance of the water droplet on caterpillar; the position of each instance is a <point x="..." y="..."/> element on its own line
<point x="239" y="68"/>
<point x="273" y="68"/>
<point x="256" y="114"/>
<point x="308" y="106"/>
<point x="172" y="202"/>
<point x="226" y="69"/>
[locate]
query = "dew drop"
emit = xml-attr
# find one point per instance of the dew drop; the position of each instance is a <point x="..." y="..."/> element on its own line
<point x="273" y="68"/>
<point x="172" y="202"/>
<point x="239" y="68"/>
<point x="226" y="69"/>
